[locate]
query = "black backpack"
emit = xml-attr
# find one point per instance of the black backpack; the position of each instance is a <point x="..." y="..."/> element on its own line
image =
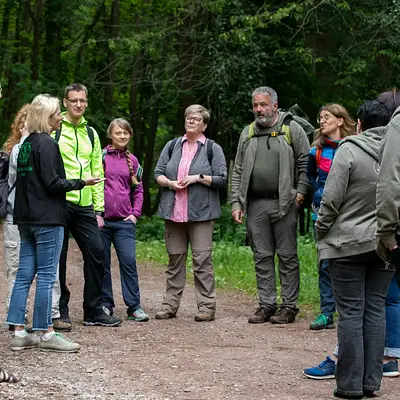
<point x="4" y="189"/>
<point x="89" y="131"/>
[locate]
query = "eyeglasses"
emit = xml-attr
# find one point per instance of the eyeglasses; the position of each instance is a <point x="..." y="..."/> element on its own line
<point x="325" y="117"/>
<point x="197" y="120"/>
<point x="76" y="101"/>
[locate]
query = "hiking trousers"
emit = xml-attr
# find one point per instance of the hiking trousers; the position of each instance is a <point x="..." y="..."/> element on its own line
<point x="178" y="235"/>
<point x="269" y="233"/>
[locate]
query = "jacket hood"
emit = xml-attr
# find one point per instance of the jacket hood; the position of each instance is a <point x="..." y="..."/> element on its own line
<point x="396" y="112"/>
<point x="369" y="141"/>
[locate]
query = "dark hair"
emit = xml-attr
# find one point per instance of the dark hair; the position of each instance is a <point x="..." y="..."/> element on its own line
<point x="390" y="99"/>
<point x="373" y="113"/>
<point x="74" y="87"/>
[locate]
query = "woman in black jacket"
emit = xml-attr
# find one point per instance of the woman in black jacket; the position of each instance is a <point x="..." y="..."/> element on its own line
<point x="40" y="212"/>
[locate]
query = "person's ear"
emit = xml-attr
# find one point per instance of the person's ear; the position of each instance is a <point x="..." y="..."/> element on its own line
<point x="205" y="127"/>
<point x="359" y="127"/>
<point x="65" y="102"/>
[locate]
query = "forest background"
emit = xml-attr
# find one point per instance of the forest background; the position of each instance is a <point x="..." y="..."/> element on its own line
<point x="147" y="60"/>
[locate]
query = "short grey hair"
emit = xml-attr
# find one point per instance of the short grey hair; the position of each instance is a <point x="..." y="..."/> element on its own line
<point x="267" y="91"/>
<point x="197" y="108"/>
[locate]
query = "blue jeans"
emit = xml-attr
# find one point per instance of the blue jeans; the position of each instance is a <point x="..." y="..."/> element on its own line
<point x="392" y="341"/>
<point x="360" y="285"/>
<point x="327" y="301"/>
<point x="39" y="254"/>
<point x="123" y="236"/>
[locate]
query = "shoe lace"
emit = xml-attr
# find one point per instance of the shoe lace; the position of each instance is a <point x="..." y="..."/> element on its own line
<point x="321" y="319"/>
<point x="139" y="311"/>
<point x="63" y="338"/>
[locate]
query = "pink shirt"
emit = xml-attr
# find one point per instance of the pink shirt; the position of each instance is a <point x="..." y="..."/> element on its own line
<point x="180" y="211"/>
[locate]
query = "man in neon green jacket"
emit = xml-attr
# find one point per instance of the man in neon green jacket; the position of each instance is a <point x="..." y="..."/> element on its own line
<point x="81" y="152"/>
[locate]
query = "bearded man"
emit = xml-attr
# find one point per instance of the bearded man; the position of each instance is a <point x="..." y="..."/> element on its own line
<point x="269" y="183"/>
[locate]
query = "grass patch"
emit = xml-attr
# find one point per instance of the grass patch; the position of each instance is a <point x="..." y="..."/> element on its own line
<point x="234" y="266"/>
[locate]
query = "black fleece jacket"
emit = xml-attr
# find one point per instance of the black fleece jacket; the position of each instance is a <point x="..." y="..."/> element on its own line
<point x="41" y="183"/>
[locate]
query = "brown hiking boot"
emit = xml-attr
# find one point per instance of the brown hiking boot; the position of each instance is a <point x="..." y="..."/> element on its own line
<point x="61" y="326"/>
<point x="203" y="316"/>
<point x="165" y="314"/>
<point x="284" y="316"/>
<point x="261" y="315"/>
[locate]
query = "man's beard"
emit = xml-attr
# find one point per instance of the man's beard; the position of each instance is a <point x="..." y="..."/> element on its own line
<point x="266" y="120"/>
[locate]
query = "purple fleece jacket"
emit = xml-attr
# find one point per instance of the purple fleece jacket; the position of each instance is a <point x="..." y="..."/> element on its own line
<point x="119" y="200"/>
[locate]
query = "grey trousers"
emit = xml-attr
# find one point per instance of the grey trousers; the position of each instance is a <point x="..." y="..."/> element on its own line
<point x="360" y="284"/>
<point x="177" y="238"/>
<point x="269" y="233"/>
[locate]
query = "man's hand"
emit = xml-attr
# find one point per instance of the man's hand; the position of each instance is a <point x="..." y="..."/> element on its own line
<point x="131" y="218"/>
<point x="100" y="221"/>
<point x="237" y="216"/>
<point x="300" y="199"/>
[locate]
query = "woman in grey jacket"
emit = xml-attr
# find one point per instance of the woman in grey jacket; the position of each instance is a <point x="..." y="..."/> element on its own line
<point x="346" y="228"/>
<point x="191" y="169"/>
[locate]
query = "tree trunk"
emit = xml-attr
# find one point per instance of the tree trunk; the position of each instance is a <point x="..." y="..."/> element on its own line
<point x="148" y="163"/>
<point x="113" y="34"/>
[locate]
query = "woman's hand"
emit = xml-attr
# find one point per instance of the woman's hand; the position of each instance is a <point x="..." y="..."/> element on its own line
<point x="93" y="181"/>
<point x="189" y="180"/>
<point x="131" y="218"/>
<point x="175" y="185"/>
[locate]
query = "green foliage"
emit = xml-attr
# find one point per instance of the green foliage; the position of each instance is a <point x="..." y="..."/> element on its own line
<point x="234" y="266"/>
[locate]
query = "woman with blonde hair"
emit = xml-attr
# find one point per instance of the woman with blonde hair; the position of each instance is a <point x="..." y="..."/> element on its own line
<point x="123" y="199"/>
<point x="10" y="231"/>
<point x="335" y="124"/>
<point x="40" y="212"/>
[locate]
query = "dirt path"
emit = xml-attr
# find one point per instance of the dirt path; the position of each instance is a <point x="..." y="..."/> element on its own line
<point x="174" y="359"/>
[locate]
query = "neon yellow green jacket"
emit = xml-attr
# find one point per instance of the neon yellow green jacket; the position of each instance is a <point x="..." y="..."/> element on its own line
<point x="81" y="161"/>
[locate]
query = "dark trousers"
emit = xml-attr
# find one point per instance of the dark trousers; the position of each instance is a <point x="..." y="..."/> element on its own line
<point x="83" y="226"/>
<point x="360" y="284"/>
<point x="123" y="235"/>
<point x="327" y="300"/>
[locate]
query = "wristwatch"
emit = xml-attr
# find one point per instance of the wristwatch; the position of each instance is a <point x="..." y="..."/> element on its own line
<point x="201" y="176"/>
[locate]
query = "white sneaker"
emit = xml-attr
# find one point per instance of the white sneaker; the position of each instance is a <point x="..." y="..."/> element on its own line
<point x="59" y="344"/>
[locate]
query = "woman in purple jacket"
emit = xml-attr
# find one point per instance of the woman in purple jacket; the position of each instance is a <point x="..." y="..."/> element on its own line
<point x="123" y="199"/>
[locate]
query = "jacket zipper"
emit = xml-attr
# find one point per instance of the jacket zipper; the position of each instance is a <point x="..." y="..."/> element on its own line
<point x="80" y="165"/>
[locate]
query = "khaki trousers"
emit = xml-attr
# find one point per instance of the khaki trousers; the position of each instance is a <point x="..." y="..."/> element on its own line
<point x="177" y="238"/>
<point x="11" y="255"/>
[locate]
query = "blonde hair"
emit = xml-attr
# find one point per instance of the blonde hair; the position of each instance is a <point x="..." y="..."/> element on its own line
<point x="348" y="128"/>
<point x="197" y="108"/>
<point x="126" y="126"/>
<point x="16" y="128"/>
<point x="41" y="109"/>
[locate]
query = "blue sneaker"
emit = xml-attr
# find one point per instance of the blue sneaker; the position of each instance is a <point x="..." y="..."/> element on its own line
<point x="325" y="370"/>
<point x="391" y="369"/>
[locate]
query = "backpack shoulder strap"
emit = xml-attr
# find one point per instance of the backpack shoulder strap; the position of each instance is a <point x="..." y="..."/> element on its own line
<point x="171" y="146"/>
<point x="90" y="134"/>
<point x="58" y="134"/>
<point x="210" y="151"/>
<point x="285" y="128"/>
<point x="250" y="134"/>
